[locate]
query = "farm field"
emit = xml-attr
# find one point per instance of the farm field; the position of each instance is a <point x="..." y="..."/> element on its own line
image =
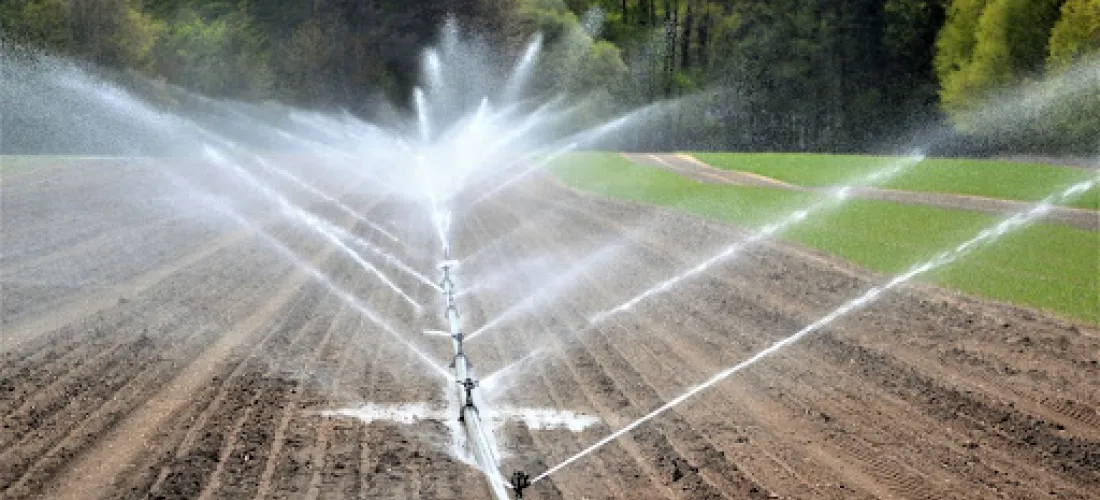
<point x="985" y="178"/>
<point x="1050" y="265"/>
<point x="149" y="352"/>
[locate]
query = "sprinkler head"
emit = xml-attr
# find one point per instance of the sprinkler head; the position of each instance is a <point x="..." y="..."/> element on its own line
<point x="520" y="481"/>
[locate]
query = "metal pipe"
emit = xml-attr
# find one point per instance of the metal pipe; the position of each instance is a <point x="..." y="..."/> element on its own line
<point x="477" y="437"/>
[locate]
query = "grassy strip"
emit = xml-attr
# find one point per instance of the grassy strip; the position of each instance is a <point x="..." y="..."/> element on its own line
<point x="1048" y="266"/>
<point x="14" y="164"/>
<point x="10" y="164"/>
<point x="994" y="179"/>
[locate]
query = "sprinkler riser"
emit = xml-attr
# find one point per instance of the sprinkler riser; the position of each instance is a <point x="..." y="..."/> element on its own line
<point x="477" y="437"/>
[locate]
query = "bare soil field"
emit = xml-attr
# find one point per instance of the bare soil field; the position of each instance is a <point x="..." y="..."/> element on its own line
<point x="151" y="353"/>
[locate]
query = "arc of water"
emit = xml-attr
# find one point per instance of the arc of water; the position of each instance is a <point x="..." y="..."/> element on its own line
<point x="1015" y="222"/>
<point x="319" y="226"/>
<point x="547" y="290"/>
<point x="312" y="145"/>
<point x="433" y="67"/>
<point x="324" y="196"/>
<point x="423" y="121"/>
<point x="394" y="261"/>
<point x="297" y="180"/>
<point x="523" y="69"/>
<point x="834" y="198"/>
<point x="565" y="146"/>
<point x="490" y="381"/>
<point x="441" y="218"/>
<point x="346" y="297"/>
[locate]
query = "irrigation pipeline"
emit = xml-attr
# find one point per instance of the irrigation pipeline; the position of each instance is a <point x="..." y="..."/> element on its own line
<point x="477" y="436"/>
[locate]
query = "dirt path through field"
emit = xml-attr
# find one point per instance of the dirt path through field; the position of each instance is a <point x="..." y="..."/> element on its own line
<point x="691" y="167"/>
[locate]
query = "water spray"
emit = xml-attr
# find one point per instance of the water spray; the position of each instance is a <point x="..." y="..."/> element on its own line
<point x="990" y="234"/>
<point x="318" y="275"/>
<point x="322" y="227"/>
<point x="320" y="194"/>
<point x="834" y="198"/>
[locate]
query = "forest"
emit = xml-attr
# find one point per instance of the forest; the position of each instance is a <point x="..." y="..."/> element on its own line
<point x="794" y="75"/>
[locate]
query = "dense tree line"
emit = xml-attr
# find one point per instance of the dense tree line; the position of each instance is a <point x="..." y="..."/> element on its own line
<point x="796" y="74"/>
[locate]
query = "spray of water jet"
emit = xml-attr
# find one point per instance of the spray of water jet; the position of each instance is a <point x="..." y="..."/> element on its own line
<point x="986" y="236"/>
<point x="566" y="146"/>
<point x="551" y="289"/>
<point x="320" y="226"/>
<point x="833" y="198"/>
<point x="493" y="382"/>
<point x="320" y="194"/>
<point x="389" y="258"/>
<point x="423" y="121"/>
<point x="523" y="69"/>
<point x="346" y="297"/>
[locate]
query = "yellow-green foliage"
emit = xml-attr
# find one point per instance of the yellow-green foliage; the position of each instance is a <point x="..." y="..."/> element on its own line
<point x="111" y="32"/>
<point x="1076" y="36"/>
<point x="1075" y="47"/>
<point x="990" y="44"/>
<point x="572" y="61"/>
<point x="955" y="50"/>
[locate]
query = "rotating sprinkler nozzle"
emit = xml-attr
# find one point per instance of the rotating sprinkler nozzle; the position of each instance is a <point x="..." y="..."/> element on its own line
<point x="468" y="385"/>
<point x="447" y="284"/>
<point x="520" y="482"/>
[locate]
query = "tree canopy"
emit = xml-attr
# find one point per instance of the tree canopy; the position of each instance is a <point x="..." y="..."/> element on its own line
<point x="820" y="75"/>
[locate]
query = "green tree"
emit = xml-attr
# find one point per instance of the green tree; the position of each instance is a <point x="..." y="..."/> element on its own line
<point x="113" y="33"/>
<point x="1074" y="62"/>
<point x="223" y="56"/>
<point x="955" y="49"/>
<point x="44" y="23"/>
<point x="1076" y="35"/>
<point x="308" y="57"/>
<point x="1006" y="45"/>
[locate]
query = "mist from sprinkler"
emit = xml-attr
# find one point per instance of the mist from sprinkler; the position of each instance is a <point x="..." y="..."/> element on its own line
<point x="168" y="124"/>
<point x="321" y="227"/>
<point x="344" y="296"/>
<point x="537" y="161"/>
<point x="493" y="382"/>
<point x="987" y="236"/>
<point x="324" y="196"/>
<point x="499" y="277"/>
<point x="549" y="289"/>
<point x="388" y="257"/>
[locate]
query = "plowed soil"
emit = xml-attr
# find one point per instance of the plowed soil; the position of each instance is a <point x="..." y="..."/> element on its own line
<point x="149" y="352"/>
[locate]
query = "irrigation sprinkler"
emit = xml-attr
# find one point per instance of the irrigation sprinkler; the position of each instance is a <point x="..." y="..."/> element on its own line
<point x="477" y="437"/>
<point x="520" y="481"/>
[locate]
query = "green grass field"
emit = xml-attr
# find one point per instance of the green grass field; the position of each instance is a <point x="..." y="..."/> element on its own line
<point x="10" y="164"/>
<point x="1048" y="266"/>
<point x="994" y="179"/>
<point x="16" y="164"/>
